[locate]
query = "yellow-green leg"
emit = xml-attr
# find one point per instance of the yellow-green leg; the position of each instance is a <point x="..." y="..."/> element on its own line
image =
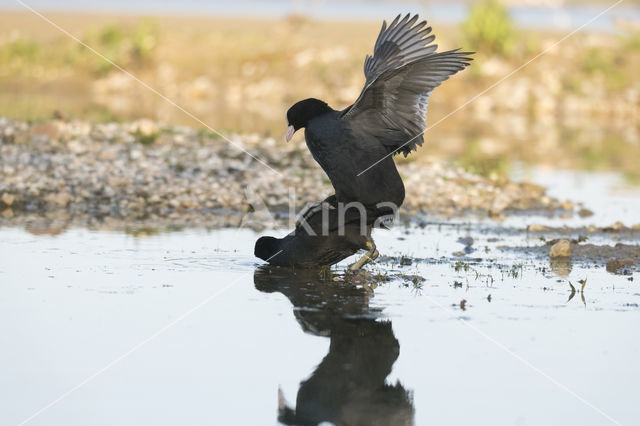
<point x="369" y="256"/>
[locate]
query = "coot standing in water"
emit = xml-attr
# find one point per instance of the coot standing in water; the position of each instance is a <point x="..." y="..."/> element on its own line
<point x="355" y="146"/>
<point x="312" y="246"/>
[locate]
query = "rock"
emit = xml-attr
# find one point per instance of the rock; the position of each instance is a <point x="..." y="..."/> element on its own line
<point x="7" y="213"/>
<point x="614" y="228"/>
<point x="536" y="228"/>
<point x="144" y="127"/>
<point x="585" y="213"/>
<point x="51" y="130"/>
<point x="566" y="205"/>
<point x="8" y="199"/>
<point x="621" y="267"/>
<point x="77" y="146"/>
<point x="467" y="241"/>
<point x="636" y="226"/>
<point x="107" y="155"/>
<point x="61" y="199"/>
<point x="560" y="249"/>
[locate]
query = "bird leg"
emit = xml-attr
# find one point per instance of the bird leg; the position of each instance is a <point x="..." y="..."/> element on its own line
<point x="369" y="256"/>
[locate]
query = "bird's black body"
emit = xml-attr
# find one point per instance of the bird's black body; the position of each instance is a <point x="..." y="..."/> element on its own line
<point x="343" y="149"/>
<point x="355" y="146"/>
<point x="299" y="249"/>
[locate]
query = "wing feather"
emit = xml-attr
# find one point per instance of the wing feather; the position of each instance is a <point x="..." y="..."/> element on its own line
<point x="400" y="75"/>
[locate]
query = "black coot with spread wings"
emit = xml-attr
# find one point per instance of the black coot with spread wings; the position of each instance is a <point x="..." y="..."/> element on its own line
<point x="355" y="146"/>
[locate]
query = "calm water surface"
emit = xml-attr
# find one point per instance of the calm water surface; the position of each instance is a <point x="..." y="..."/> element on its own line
<point x="188" y="328"/>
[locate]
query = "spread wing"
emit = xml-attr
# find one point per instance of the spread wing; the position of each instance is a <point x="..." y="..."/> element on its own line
<point x="400" y="76"/>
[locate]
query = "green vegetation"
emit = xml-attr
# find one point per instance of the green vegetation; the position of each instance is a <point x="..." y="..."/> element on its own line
<point x="631" y="41"/>
<point x="461" y="266"/>
<point x="610" y="65"/>
<point x="142" y="231"/>
<point x="380" y="277"/>
<point x="325" y="273"/>
<point x="127" y="47"/>
<point x="595" y="61"/>
<point x="516" y="270"/>
<point x="145" y="138"/>
<point x="417" y="282"/>
<point x="207" y="134"/>
<point x="489" y="29"/>
<point x="178" y="167"/>
<point x="130" y="46"/>
<point x="475" y="161"/>
<point x="21" y="49"/>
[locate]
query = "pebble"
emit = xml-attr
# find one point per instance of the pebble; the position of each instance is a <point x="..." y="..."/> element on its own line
<point x="566" y="205"/>
<point x="103" y="167"/>
<point x="60" y="199"/>
<point x="622" y="267"/>
<point x="560" y="249"/>
<point x="7" y="199"/>
<point x="467" y="241"/>
<point x="585" y="213"/>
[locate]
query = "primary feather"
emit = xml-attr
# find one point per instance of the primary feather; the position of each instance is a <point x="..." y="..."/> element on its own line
<point x="400" y="76"/>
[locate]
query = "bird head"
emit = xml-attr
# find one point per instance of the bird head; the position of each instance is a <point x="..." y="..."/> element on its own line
<point x="299" y="115"/>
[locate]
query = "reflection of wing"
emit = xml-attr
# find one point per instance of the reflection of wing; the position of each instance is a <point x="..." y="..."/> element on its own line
<point x="400" y="76"/>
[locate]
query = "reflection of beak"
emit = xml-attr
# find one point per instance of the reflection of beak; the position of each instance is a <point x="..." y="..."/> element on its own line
<point x="290" y="131"/>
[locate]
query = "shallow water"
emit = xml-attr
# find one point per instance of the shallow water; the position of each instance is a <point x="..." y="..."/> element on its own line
<point x="608" y="195"/>
<point x="188" y="328"/>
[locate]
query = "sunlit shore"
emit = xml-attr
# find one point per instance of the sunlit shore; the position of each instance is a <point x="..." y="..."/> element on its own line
<point x="579" y="99"/>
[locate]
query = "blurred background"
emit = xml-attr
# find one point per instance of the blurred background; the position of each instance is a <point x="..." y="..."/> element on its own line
<point x="238" y="65"/>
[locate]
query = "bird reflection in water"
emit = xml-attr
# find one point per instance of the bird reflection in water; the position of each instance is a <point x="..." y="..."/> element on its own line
<point x="348" y="387"/>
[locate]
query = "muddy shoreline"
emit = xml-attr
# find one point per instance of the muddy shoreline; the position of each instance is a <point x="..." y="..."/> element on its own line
<point x="144" y="178"/>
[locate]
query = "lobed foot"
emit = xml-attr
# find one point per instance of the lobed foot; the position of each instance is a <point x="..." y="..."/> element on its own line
<point x="369" y="256"/>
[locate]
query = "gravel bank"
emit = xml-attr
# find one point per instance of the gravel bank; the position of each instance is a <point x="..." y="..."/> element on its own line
<point x="144" y="169"/>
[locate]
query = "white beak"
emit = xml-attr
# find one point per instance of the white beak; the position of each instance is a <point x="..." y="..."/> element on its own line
<point x="290" y="131"/>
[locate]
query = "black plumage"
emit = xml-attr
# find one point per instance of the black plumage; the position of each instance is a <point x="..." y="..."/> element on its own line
<point x="301" y="249"/>
<point x="354" y="146"/>
<point x="350" y="385"/>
